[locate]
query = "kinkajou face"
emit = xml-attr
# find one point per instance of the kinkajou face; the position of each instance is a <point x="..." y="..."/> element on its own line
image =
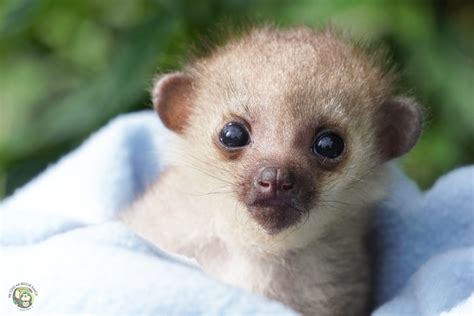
<point x="294" y="122"/>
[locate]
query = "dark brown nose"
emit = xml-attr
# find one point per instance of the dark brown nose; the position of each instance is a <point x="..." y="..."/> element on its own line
<point x="272" y="182"/>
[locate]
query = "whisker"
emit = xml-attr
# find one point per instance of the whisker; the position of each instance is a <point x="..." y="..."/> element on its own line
<point x="208" y="174"/>
<point x="211" y="193"/>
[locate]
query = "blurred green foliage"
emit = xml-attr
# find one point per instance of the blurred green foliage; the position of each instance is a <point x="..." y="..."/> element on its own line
<point x="67" y="67"/>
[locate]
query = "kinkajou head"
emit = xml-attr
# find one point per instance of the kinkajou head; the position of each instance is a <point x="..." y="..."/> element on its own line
<point x="288" y="125"/>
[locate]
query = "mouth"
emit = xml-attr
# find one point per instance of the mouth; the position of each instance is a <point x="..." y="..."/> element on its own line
<point x="275" y="215"/>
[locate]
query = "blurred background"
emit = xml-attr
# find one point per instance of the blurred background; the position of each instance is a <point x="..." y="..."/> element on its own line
<point x="68" y="67"/>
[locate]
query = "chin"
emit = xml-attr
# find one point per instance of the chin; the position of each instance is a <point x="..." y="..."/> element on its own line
<point x="276" y="219"/>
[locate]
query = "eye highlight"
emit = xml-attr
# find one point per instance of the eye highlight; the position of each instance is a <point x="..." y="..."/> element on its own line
<point x="234" y="135"/>
<point x="328" y="145"/>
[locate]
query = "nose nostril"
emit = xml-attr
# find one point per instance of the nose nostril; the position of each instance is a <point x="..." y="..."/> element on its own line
<point x="263" y="184"/>
<point x="287" y="186"/>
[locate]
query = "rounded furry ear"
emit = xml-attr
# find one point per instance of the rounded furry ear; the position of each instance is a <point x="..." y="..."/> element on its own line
<point x="399" y="122"/>
<point x="172" y="95"/>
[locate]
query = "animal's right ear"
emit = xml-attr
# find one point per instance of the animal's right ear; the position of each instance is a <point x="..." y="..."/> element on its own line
<point x="172" y="100"/>
<point x="399" y="126"/>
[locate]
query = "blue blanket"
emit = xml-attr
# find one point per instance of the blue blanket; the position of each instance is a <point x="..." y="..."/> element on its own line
<point x="59" y="235"/>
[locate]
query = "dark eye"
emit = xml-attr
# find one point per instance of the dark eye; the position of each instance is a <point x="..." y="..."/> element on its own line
<point x="234" y="135"/>
<point x="328" y="145"/>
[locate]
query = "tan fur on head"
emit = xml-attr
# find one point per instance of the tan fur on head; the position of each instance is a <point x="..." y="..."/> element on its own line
<point x="288" y="85"/>
<point x="285" y="88"/>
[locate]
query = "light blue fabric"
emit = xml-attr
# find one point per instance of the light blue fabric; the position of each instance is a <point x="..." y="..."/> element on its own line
<point x="58" y="233"/>
<point x="424" y="246"/>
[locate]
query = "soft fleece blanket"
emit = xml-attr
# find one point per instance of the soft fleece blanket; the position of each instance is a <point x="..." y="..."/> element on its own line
<point x="59" y="234"/>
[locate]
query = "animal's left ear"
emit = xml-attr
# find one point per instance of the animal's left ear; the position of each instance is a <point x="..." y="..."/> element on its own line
<point x="399" y="123"/>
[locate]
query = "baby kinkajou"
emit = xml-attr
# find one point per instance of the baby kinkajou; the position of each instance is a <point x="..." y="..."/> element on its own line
<point x="278" y="154"/>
